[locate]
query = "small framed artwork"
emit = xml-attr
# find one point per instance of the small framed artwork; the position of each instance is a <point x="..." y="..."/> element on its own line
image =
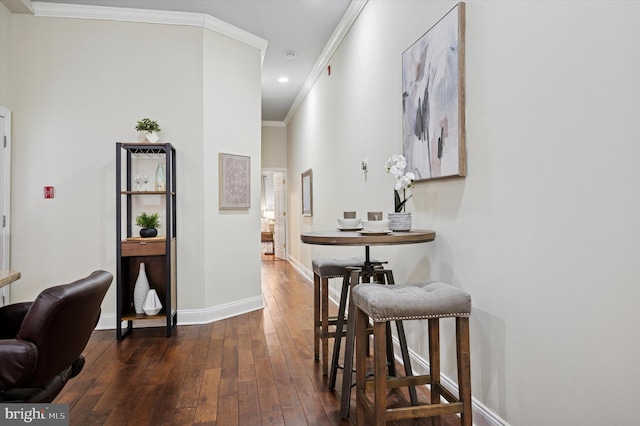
<point x="234" y="181"/>
<point x="433" y="100"/>
<point x="307" y="193"/>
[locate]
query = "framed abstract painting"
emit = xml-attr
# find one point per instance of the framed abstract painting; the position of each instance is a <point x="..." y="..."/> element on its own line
<point x="433" y="100"/>
<point x="234" y="181"/>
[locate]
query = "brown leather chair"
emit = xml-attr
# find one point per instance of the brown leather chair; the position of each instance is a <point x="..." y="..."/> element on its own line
<point x="41" y="342"/>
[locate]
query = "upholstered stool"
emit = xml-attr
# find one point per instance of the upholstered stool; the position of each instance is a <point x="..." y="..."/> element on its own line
<point x="429" y="300"/>
<point x="352" y="279"/>
<point x="323" y="270"/>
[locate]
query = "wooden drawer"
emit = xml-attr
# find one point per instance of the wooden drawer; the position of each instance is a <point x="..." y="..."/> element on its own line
<point x="144" y="247"/>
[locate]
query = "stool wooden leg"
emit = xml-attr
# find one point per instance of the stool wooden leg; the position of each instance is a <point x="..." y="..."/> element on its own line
<point x="316" y="316"/>
<point x="345" y="403"/>
<point x="434" y="364"/>
<point x="385" y="276"/>
<point x="362" y="337"/>
<point x="408" y="371"/>
<point x="339" y="327"/>
<point x="464" y="369"/>
<point x="380" y="379"/>
<point x="391" y="361"/>
<point x="324" y="314"/>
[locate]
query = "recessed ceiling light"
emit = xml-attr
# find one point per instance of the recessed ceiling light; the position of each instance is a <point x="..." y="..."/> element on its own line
<point x="283" y="79"/>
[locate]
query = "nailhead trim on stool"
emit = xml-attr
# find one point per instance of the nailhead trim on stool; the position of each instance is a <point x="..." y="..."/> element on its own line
<point x="429" y="300"/>
<point x="323" y="270"/>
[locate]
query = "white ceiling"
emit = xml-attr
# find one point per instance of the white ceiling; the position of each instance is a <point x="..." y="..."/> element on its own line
<point x="300" y="26"/>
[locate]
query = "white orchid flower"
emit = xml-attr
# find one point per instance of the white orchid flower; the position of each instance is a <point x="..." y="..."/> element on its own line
<point x="396" y="164"/>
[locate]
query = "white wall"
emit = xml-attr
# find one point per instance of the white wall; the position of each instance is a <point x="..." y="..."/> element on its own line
<point x="274" y="145"/>
<point x="232" y="125"/>
<point x="544" y="230"/>
<point x="5" y="56"/>
<point x="79" y="86"/>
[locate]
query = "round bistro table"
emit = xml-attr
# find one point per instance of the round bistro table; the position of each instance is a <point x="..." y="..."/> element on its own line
<point x="366" y="239"/>
<point x="359" y="238"/>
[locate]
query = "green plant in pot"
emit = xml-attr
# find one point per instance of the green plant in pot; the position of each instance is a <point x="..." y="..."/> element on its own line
<point x="149" y="224"/>
<point x="148" y="130"/>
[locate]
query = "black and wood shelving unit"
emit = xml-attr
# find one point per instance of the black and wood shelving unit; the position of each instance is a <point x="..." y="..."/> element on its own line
<point x="157" y="253"/>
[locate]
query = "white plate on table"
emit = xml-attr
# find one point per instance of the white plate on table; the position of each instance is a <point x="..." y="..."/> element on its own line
<point x="350" y="229"/>
<point x="375" y="232"/>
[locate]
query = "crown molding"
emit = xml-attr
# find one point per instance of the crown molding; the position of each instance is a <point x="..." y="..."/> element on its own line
<point x="215" y="24"/>
<point x="350" y="16"/>
<point x="273" y="124"/>
<point x="56" y="10"/>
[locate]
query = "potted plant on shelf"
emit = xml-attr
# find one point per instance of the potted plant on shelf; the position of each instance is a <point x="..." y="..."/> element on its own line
<point x="148" y="130"/>
<point x="149" y="224"/>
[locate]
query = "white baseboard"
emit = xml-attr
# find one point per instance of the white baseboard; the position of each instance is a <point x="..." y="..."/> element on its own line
<point x="482" y="416"/>
<point x="308" y="273"/>
<point x="193" y="316"/>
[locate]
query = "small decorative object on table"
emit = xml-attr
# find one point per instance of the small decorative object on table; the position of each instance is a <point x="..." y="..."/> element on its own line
<point x="148" y="130"/>
<point x="149" y="224"/>
<point x="152" y="305"/>
<point x="140" y="290"/>
<point x="349" y="224"/>
<point x="400" y="220"/>
<point x="374" y="215"/>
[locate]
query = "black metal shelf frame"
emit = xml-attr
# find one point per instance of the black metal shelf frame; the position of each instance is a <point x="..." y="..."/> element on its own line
<point x="127" y="195"/>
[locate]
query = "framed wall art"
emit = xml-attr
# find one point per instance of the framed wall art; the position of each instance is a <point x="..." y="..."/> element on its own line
<point x="234" y="181"/>
<point x="307" y="193"/>
<point x="433" y="100"/>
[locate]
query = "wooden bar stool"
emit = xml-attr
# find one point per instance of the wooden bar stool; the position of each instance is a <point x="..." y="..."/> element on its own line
<point x="371" y="271"/>
<point x="323" y="270"/>
<point x="429" y="300"/>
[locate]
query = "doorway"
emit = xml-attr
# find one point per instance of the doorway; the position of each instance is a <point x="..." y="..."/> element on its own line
<point x="274" y="212"/>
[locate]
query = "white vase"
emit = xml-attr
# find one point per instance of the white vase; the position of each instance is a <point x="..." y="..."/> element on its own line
<point x="399" y="221"/>
<point x="150" y="137"/>
<point x="140" y="290"/>
<point x="152" y="303"/>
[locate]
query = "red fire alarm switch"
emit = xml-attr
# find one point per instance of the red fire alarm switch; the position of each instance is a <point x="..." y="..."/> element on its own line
<point x="48" y="192"/>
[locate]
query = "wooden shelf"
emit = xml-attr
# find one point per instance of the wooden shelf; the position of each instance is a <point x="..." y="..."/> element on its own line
<point x="147" y="193"/>
<point x="143" y="247"/>
<point x="132" y="316"/>
<point x="159" y="238"/>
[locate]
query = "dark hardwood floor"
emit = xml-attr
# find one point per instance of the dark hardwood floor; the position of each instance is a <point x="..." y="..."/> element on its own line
<point x="253" y="369"/>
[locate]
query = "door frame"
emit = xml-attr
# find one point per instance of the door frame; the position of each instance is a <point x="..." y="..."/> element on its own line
<point x="5" y="201"/>
<point x="285" y="206"/>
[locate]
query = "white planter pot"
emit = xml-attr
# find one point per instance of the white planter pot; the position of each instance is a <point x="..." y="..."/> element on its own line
<point x="399" y="221"/>
<point x="151" y="137"/>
